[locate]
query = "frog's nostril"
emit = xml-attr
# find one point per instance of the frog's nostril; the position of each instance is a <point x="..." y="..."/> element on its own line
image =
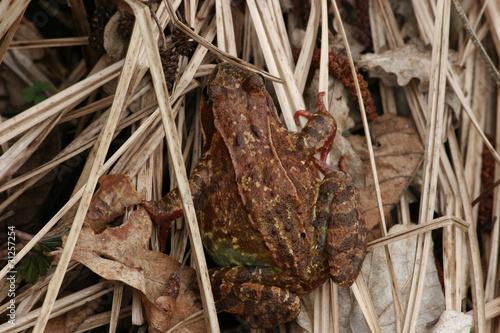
<point x="302" y="235"/>
<point x="255" y="131"/>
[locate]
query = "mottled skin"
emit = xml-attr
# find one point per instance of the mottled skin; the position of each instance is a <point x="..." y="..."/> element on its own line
<point x="266" y="218"/>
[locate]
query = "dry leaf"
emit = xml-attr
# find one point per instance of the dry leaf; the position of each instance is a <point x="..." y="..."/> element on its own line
<point x="377" y="278"/>
<point x="397" y="159"/>
<point x="398" y="66"/>
<point x="114" y="194"/>
<point x="453" y="321"/>
<point x="114" y="44"/>
<point x="69" y="321"/>
<point x="121" y="253"/>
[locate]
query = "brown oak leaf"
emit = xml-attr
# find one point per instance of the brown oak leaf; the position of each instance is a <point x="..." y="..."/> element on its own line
<point x="397" y="159"/>
<point x="121" y="253"/>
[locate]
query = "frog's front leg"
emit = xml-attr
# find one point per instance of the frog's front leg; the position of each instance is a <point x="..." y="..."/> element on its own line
<point x="319" y="132"/>
<point x="338" y="209"/>
<point x="249" y="293"/>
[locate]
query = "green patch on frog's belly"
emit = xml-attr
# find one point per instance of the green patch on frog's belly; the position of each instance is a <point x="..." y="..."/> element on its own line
<point x="230" y="256"/>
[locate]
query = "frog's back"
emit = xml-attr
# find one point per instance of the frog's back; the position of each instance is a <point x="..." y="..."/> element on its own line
<point x="276" y="184"/>
<point x="262" y="233"/>
<point x="227" y="234"/>
<point x="271" y="186"/>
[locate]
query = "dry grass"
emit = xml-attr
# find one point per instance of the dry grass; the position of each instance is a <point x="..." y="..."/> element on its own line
<point x="450" y="172"/>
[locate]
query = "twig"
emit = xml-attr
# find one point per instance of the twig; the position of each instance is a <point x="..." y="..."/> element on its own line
<point x="495" y="75"/>
<point x="53" y="42"/>
<point x="485" y="192"/>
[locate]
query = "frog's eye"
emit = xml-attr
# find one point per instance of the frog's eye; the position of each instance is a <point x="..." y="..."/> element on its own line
<point x="254" y="83"/>
<point x="262" y="77"/>
<point x="204" y="94"/>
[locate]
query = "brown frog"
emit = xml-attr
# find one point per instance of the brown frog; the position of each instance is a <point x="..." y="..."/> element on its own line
<point x="276" y="229"/>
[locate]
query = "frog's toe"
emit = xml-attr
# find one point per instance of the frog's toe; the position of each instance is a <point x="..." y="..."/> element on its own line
<point x="258" y="305"/>
<point x="161" y="212"/>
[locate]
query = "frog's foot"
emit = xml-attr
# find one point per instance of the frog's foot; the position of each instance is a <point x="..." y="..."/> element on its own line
<point x="257" y="304"/>
<point x="346" y="238"/>
<point x="326" y="168"/>
<point x="319" y="132"/>
<point x="169" y="207"/>
<point x="165" y="210"/>
<point x="342" y="166"/>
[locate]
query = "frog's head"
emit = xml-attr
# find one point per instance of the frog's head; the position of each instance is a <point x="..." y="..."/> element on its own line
<point x="227" y="76"/>
<point x="226" y="86"/>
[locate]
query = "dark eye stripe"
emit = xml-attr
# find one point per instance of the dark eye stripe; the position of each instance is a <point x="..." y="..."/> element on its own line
<point x="204" y="94"/>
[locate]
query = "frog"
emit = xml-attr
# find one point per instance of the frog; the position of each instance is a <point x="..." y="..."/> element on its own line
<point x="273" y="225"/>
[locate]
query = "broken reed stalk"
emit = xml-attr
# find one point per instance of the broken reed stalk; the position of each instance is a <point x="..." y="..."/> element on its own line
<point x="55" y="42"/>
<point x="415" y="101"/>
<point x="366" y="302"/>
<point x="431" y="160"/>
<point x="273" y="49"/>
<point x="104" y="142"/>
<point x="479" y="46"/>
<point x="11" y="14"/>
<point x="302" y="66"/>
<point x="142" y="15"/>
<point x="61" y="306"/>
<point x="472" y="242"/>
<point x="493" y="263"/>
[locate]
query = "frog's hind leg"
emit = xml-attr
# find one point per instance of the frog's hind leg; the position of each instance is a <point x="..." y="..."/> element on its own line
<point x="241" y="291"/>
<point x="170" y="206"/>
<point x="339" y="205"/>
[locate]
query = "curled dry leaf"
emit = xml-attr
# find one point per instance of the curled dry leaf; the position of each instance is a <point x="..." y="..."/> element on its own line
<point x="114" y="43"/>
<point x="398" y="66"/>
<point x="121" y="253"/>
<point x="114" y="194"/>
<point x="397" y="159"/>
